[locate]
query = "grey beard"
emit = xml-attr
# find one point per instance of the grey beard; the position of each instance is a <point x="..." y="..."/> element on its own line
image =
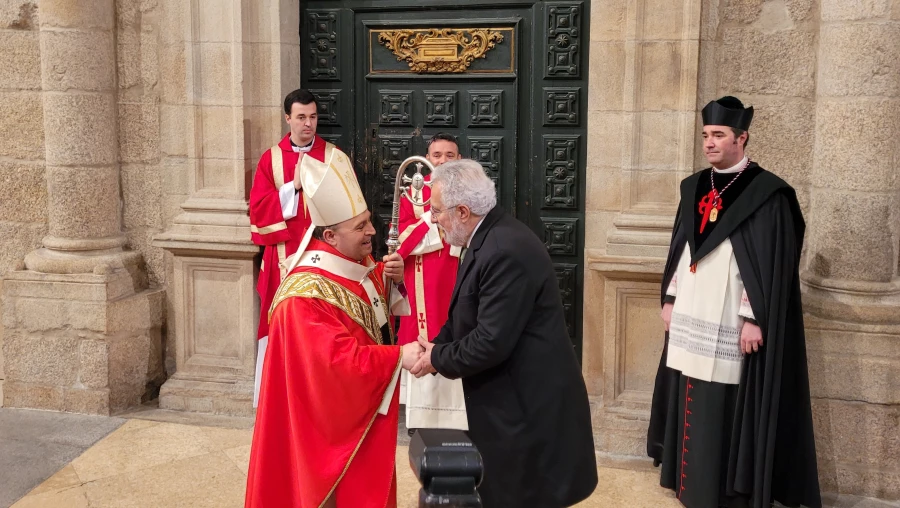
<point x="454" y="237"/>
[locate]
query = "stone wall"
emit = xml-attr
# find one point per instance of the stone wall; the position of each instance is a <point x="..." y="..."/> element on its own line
<point x="824" y="77"/>
<point x="23" y="188"/>
<point x="138" y="34"/>
<point x="196" y="90"/>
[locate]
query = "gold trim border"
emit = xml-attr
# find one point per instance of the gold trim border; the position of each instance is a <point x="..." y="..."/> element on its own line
<point x="512" y="51"/>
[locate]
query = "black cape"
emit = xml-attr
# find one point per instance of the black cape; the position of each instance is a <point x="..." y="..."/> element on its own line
<point x="772" y="454"/>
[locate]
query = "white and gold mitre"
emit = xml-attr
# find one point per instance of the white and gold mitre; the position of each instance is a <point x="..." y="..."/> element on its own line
<point x="330" y="189"/>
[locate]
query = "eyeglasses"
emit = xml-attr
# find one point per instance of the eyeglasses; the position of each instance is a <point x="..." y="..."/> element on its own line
<point x="436" y="211"/>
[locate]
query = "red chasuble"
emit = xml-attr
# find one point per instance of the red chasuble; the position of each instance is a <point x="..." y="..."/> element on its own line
<point x="318" y="431"/>
<point x="267" y="224"/>
<point x="429" y="277"/>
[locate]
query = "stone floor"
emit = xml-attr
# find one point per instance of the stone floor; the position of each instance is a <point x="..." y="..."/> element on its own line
<point x="157" y="458"/>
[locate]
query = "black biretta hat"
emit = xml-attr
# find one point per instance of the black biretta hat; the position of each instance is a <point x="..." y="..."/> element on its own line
<point x="728" y="111"/>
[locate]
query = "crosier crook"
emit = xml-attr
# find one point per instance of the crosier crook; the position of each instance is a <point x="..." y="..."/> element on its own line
<point x="415" y="183"/>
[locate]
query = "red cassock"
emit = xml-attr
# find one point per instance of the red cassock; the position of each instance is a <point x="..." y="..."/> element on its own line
<point x="318" y="430"/>
<point x="429" y="277"/>
<point x="268" y="226"/>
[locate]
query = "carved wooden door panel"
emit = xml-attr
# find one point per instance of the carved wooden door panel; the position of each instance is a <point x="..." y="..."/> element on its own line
<point x="507" y="78"/>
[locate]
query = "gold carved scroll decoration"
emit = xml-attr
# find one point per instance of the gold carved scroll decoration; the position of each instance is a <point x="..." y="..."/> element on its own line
<point x="440" y="50"/>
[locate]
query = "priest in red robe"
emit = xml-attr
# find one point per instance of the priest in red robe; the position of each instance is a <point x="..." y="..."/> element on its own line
<point x="326" y="427"/>
<point x="278" y="215"/>
<point x="430" y="273"/>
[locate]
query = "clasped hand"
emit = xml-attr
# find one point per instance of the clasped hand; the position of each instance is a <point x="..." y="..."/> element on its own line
<point x="393" y="267"/>
<point x="416" y="357"/>
<point x="751" y="335"/>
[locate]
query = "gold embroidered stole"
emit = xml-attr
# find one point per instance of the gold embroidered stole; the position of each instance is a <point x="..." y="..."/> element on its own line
<point x="313" y="285"/>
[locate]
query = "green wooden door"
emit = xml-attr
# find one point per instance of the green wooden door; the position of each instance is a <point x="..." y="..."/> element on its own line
<point x="388" y="75"/>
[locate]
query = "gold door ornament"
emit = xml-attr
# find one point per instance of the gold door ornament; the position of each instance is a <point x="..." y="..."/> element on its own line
<point x="440" y="50"/>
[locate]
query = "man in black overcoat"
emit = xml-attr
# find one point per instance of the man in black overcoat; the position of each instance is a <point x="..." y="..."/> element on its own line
<point x="506" y="338"/>
<point x="731" y="422"/>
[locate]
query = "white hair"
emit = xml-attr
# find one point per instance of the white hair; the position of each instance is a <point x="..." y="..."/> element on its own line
<point x="464" y="182"/>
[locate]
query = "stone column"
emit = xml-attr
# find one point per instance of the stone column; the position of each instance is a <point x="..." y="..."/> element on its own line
<point x="78" y="77"/>
<point x="852" y="292"/>
<point x="643" y="118"/>
<point x="78" y="327"/>
<point x="233" y="63"/>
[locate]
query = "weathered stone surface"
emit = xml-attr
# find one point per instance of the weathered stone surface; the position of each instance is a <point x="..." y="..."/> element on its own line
<point x="775" y="121"/>
<point x="661" y="73"/>
<point x="607" y="76"/>
<point x="741" y="11"/>
<point x="150" y="60"/>
<point x="855" y="442"/>
<point x="27" y="395"/>
<point x="604" y="184"/>
<point x="22" y="125"/>
<point x="781" y="63"/>
<point x="801" y="10"/>
<point x="77" y="61"/>
<point x="774" y="17"/>
<point x="216" y="21"/>
<point x="176" y="124"/>
<point x="175" y="175"/>
<point x="605" y="130"/>
<point x="663" y="20"/>
<point x="842" y="10"/>
<point x="221" y="175"/>
<point x="218" y="132"/>
<point x="657" y="138"/>
<point x="596" y="226"/>
<point x="18" y="240"/>
<point x="856" y="144"/>
<point x="128" y="364"/>
<point x="20" y="59"/>
<point x="652" y="188"/>
<point x="139" y="132"/>
<point x="263" y="60"/>
<point x="176" y="16"/>
<point x="172" y="206"/>
<point x="44" y="315"/>
<point x="217" y="74"/>
<point x="93" y="366"/>
<point x="128" y="58"/>
<point x="18" y="15"/>
<point x="844" y="229"/>
<point x="84" y="202"/>
<point x="853" y="376"/>
<point x="83" y="127"/>
<point x="865" y="60"/>
<point x="263" y="130"/>
<point x="91" y="402"/>
<point x="41" y="359"/>
<point x="128" y="14"/>
<point x="710" y="17"/>
<point x="24" y="192"/>
<point x="141" y="190"/>
<point x="173" y="64"/>
<point x="141" y="240"/>
<point x="84" y="14"/>
<point x="290" y="69"/>
<point x="134" y="315"/>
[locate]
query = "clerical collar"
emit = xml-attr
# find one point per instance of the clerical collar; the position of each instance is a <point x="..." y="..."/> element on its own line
<point x="304" y="149"/>
<point x="733" y="169"/>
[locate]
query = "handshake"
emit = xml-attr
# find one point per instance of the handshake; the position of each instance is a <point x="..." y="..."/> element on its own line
<point x="416" y="357"/>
